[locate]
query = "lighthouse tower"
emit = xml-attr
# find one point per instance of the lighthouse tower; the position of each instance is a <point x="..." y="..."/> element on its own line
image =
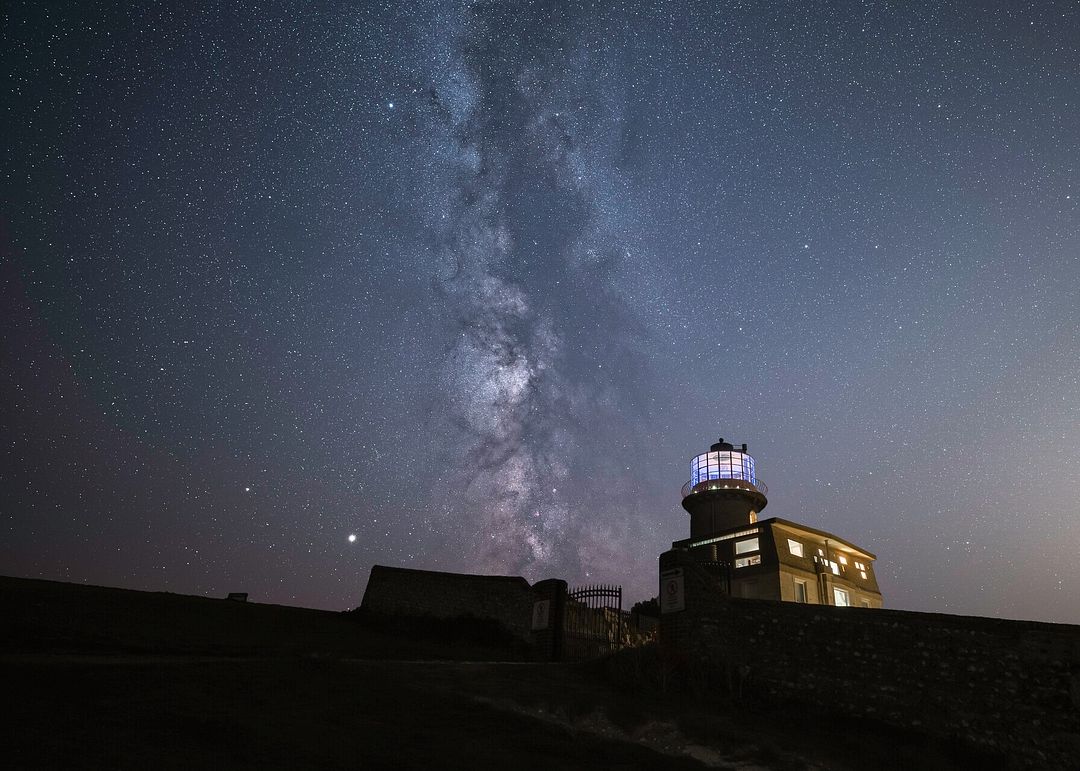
<point x="723" y="492"/>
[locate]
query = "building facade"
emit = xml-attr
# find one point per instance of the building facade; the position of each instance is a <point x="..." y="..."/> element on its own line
<point x="768" y="559"/>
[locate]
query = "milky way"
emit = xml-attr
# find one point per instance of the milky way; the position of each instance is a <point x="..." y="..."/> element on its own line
<point x="291" y="290"/>
<point x="524" y="272"/>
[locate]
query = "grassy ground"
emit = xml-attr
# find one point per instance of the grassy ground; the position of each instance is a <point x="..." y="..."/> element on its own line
<point x="104" y="678"/>
<point x="139" y="714"/>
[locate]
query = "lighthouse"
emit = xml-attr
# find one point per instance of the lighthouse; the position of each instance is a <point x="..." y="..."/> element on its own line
<point x="768" y="559"/>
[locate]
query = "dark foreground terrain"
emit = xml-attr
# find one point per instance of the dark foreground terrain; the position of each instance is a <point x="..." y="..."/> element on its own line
<point x="108" y="678"/>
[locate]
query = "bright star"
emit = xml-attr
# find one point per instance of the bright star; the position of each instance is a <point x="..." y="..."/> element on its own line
<point x="352" y="537"/>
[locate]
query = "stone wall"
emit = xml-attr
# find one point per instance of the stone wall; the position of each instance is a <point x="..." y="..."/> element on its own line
<point x="405" y="592"/>
<point x="1010" y="687"/>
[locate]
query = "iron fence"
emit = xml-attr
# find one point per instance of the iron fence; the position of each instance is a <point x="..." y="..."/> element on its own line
<point x="593" y="621"/>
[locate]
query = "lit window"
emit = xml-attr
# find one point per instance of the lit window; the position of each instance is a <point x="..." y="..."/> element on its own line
<point x="860" y="566"/>
<point x="795" y="547"/>
<point x="800" y="591"/>
<point x="834" y="568"/>
<point x="841" y="598"/>
<point x="843" y="560"/>
<point x="821" y="552"/>
<point x="743" y="562"/>
<point x="863" y="574"/>
<point x="750" y="544"/>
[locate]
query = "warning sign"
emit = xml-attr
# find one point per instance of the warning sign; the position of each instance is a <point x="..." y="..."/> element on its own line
<point x="672" y="596"/>
<point x="541" y="610"/>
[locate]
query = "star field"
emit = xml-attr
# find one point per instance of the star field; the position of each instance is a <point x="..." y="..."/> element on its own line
<point x="291" y="290"/>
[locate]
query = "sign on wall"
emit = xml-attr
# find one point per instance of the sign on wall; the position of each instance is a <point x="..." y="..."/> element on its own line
<point x="541" y="612"/>
<point x="672" y="596"/>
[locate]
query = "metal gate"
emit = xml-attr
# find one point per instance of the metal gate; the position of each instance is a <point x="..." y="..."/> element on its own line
<point x="592" y="621"/>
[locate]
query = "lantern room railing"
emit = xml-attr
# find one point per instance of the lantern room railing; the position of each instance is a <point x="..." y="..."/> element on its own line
<point x="731" y="483"/>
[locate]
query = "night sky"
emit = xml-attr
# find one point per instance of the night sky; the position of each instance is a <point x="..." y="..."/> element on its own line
<point x="472" y="282"/>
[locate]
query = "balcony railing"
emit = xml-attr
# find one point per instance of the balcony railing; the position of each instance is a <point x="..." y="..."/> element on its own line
<point x="720" y="484"/>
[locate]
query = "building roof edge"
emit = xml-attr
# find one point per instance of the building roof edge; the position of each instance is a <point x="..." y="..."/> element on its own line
<point x="823" y="533"/>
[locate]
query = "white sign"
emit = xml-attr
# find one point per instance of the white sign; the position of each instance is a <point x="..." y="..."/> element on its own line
<point x="541" y="609"/>
<point x="672" y="596"/>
